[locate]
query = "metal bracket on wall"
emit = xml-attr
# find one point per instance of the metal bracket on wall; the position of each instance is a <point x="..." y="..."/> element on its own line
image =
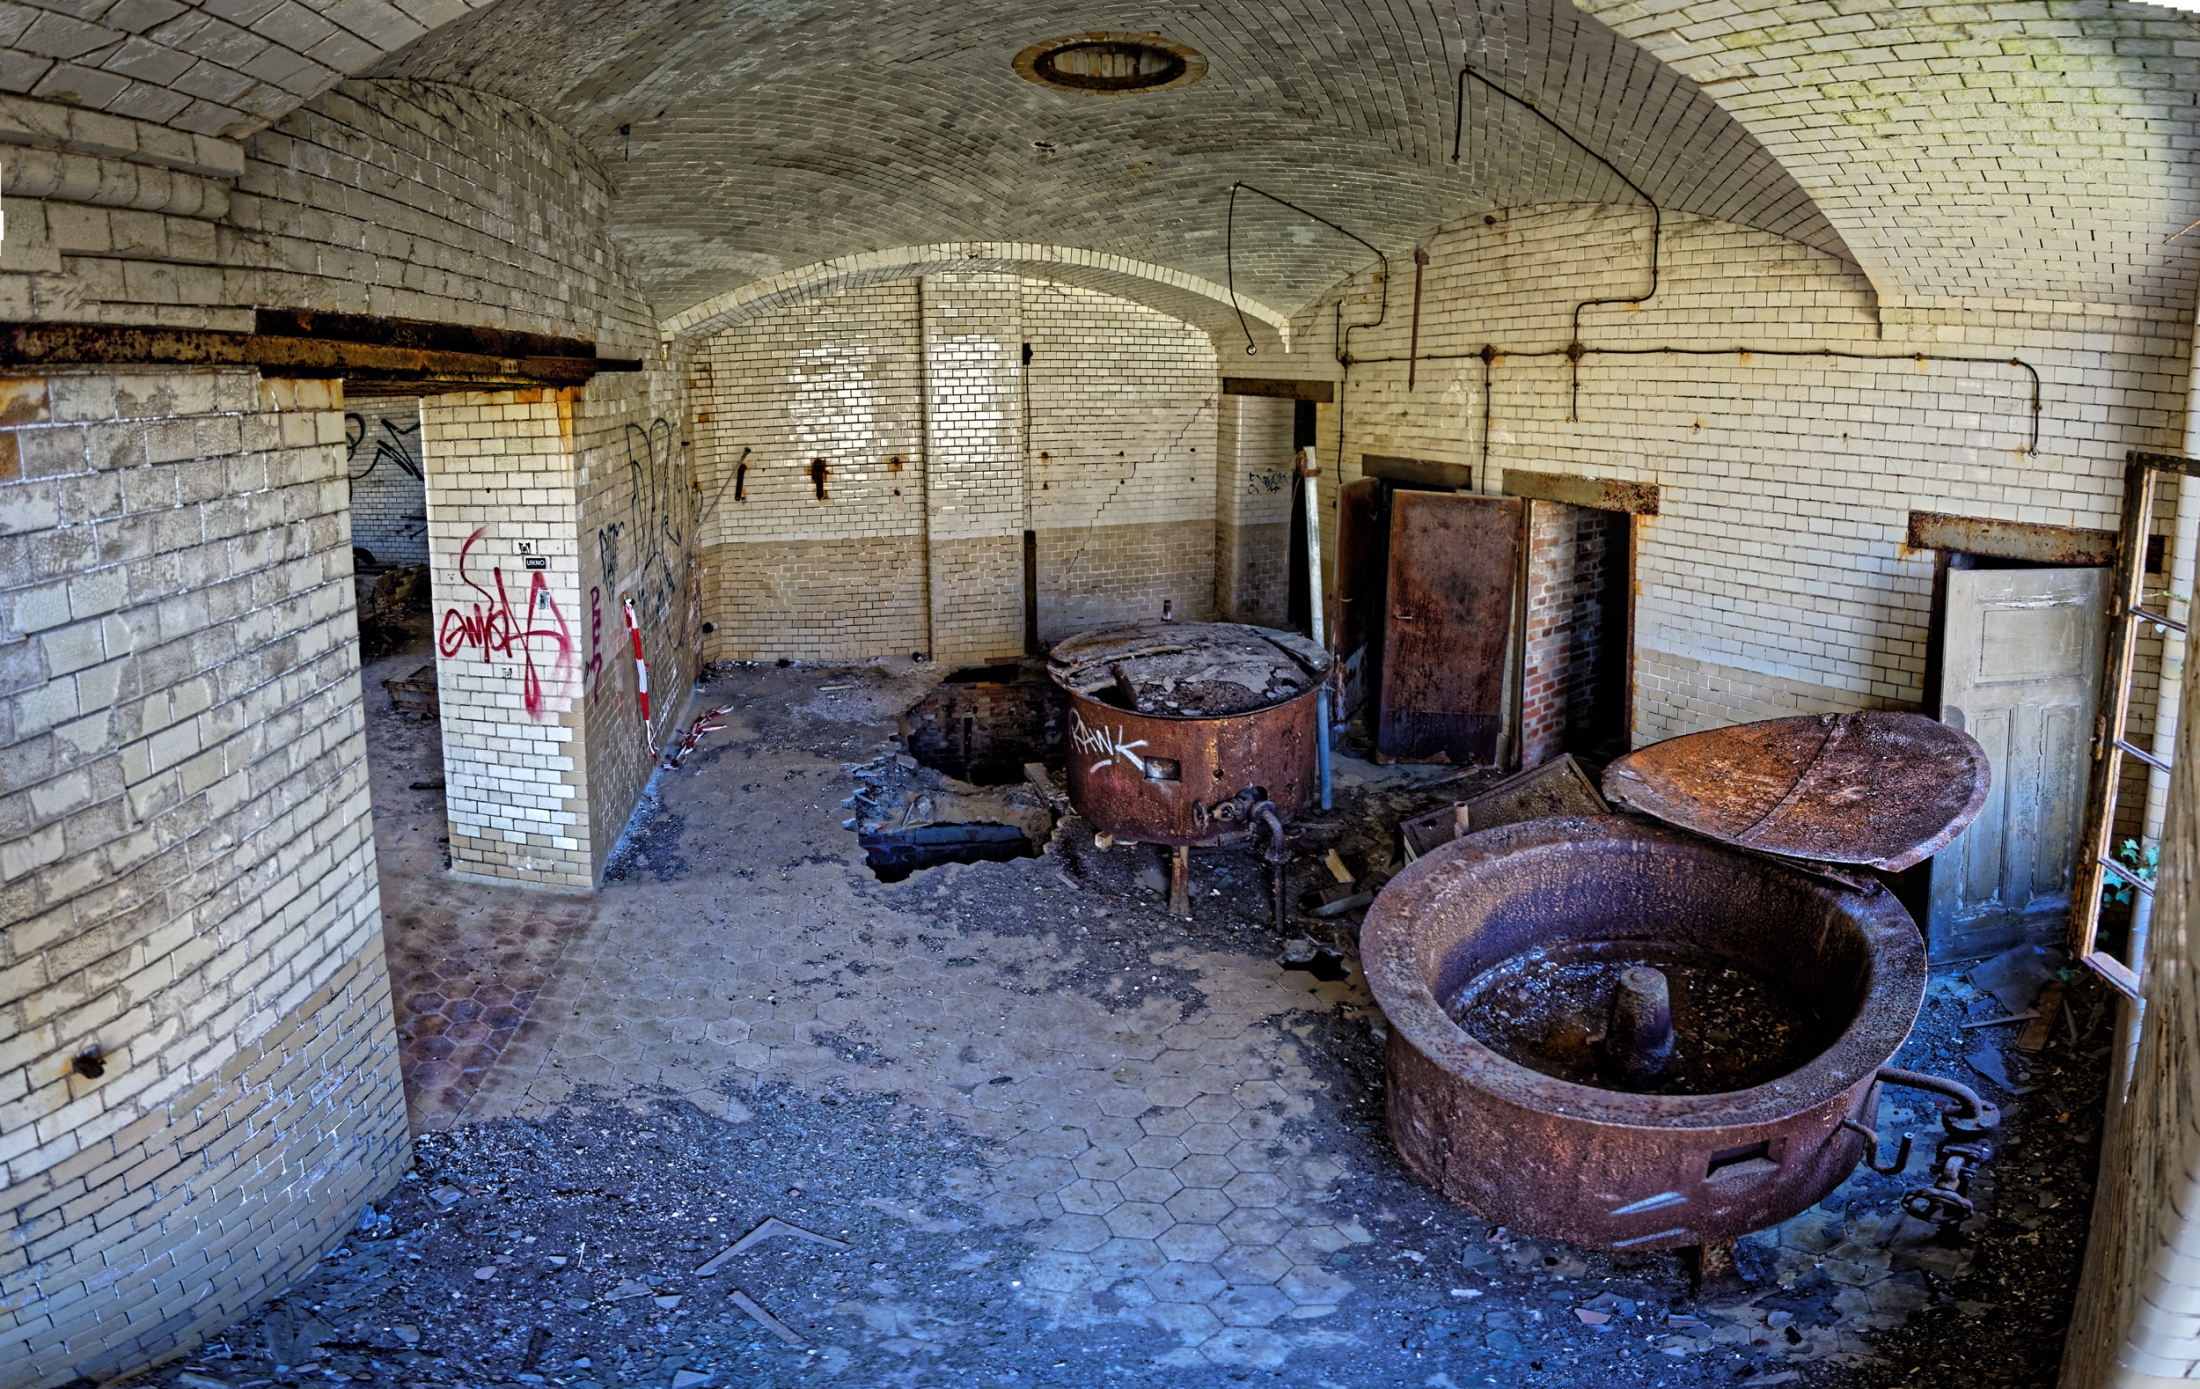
<point x="2111" y="744"/>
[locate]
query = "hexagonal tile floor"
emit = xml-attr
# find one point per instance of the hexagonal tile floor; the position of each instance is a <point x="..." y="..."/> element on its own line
<point x="1173" y="1140"/>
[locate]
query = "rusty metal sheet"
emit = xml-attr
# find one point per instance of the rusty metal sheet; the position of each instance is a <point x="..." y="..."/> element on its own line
<point x="1421" y="472"/>
<point x="1601" y="494"/>
<point x="1454" y="562"/>
<point x="100" y="344"/>
<point x="1887" y="790"/>
<point x="1363" y="555"/>
<point x="2025" y="540"/>
<point x="1280" y="388"/>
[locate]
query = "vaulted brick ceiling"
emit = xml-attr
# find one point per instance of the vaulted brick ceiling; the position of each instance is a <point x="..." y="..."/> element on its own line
<point x="751" y="139"/>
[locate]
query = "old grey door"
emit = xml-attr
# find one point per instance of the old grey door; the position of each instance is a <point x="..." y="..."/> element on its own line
<point x="2020" y="671"/>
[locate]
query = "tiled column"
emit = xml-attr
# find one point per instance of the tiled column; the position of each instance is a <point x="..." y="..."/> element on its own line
<point x="511" y="627"/>
<point x="200" y="1081"/>
<point x="1253" y="480"/>
<point x="974" y="468"/>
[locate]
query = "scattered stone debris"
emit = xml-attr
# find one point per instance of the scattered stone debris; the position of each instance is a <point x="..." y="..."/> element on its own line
<point x="1190" y="669"/>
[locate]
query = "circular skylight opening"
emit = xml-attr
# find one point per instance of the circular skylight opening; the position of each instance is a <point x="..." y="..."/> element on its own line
<point x="1110" y="64"/>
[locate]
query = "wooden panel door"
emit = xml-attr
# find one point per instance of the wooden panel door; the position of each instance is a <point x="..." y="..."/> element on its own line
<point x="2020" y="672"/>
<point x="1454" y="569"/>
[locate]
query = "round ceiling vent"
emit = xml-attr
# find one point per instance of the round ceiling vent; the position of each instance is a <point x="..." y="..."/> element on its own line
<point x="1110" y="64"/>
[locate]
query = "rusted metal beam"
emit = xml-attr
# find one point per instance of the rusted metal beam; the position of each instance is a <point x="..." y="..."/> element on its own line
<point x="1601" y="494"/>
<point x="1427" y="472"/>
<point x="37" y="345"/>
<point x="2165" y="462"/>
<point x="1280" y="388"/>
<point x="2023" y="540"/>
<point x="425" y="334"/>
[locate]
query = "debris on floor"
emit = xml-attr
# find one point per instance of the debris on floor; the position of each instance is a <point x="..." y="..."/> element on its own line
<point x="1071" y="1140"/>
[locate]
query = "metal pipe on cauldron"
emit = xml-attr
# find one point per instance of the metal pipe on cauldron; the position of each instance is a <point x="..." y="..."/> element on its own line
<point x="1278" y="855"/>
<point x="1966" y="1143"/>
<point x="1310" y="469"/>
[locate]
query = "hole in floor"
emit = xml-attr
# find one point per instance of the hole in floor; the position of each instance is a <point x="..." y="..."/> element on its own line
<point x="895" y="854"/>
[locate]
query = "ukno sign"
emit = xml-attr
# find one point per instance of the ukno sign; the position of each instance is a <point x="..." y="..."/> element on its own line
<point x="502" y="635"/>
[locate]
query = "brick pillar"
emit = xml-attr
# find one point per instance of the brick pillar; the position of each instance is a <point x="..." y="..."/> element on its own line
<point x="1253" y="480"/>
<point x="187" y="874"/>
<point x="511" y="622"/>
<point x="974" y="466"/>
<point x="1567" y="550"/>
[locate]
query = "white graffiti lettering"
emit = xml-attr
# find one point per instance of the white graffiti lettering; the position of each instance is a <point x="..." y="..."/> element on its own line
<point x="1105" y="741"/>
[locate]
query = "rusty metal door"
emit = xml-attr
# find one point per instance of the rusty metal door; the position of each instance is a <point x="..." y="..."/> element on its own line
<point x="1448" y="625"/>
<point x="1362" y="558"/>
<point x="2020" y="672"/>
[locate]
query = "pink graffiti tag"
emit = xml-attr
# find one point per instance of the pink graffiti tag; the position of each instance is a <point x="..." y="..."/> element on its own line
<point x="497" y="632"/>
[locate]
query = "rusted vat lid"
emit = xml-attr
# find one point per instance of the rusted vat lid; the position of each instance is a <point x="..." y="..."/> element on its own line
<point x="1188" y="669"/>
<point x="1886" y="790"/>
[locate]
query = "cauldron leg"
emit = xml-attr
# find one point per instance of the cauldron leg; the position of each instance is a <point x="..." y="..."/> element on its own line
<point x="1278" y="855"/>
<point x="1712" y="1271"/>
<point x="1180" y="882"/>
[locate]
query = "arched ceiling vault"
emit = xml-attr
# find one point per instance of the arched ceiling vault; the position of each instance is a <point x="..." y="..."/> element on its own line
<point x="750" y="140"/>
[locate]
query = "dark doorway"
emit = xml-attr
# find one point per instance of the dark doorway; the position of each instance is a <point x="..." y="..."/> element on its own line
<point x="1601" y="662"/>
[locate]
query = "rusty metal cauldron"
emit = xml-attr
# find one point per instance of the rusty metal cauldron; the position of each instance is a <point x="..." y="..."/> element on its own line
<point x="1141" y="770"/>
<point x="1520" y="1130"/>
<point x="1605" y="1167"/>
<point x="1192" y="734"/>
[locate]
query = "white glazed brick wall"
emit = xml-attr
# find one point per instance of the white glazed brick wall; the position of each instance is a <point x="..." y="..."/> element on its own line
<point x="388" y="489"/>
<point x="1774" y="580"/>
<point x="186" y="866"/>
<point x="1122" y="450"/>
<point x="974" y="501"/>
<point x="509" y="656"/>
<point x="1113" y="424"/>
<point x="839" y="378"/>
<point x="380" y="197"/>
<point x="637" y="540"/>
<point x="202" y="66"/>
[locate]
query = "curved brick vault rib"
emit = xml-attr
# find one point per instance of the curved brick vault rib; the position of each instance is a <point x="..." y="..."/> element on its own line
<point x="1188" y="298"/>
<point x="2028" y="159"/>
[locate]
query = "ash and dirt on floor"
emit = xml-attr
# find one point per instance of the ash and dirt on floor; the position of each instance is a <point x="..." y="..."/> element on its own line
<point x="1065" y="1138"/>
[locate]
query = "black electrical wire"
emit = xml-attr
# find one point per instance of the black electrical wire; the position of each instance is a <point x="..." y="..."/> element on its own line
<point x="1489" y="354"/>
<point x="1229" y="259"/>
<point x="1657" y="214"/>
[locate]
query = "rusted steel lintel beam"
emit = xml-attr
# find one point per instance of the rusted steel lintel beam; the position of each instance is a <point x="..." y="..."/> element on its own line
<point x="2166" y="462"/>
<point x="1601" y="494"/>
<point x="1280" y="388"/>
<point x="2024" y="540"/>
<point x="100" y="344"/>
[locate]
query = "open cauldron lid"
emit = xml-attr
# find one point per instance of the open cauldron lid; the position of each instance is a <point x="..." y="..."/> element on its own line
<point x="1885" y="790"/>
<point x="1188" y="669"/>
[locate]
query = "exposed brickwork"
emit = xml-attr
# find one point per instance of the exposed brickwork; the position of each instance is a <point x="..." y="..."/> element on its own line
<point x="1099" y="574"/>
<point x="1568" y="548"/>
<point x="186" y="873"/>
<point x="202" y="68"/>
<point x="1344" y="109"/>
